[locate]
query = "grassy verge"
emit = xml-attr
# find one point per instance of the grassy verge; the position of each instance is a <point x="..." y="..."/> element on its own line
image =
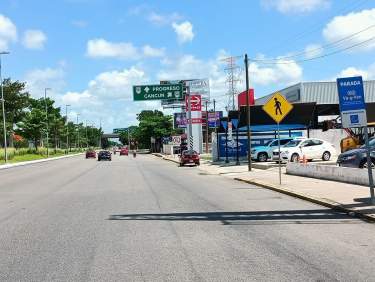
<point x="32" y="157"/>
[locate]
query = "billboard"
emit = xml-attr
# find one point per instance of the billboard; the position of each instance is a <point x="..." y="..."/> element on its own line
<point x="200" y="87"/>
<point x="214" y="119"/>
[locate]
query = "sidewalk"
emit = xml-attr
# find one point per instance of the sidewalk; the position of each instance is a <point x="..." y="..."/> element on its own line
<point x="349" y="198"/>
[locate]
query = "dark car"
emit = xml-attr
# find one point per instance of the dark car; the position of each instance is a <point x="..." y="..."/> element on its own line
<point x="189" y="157"/>
<point x="104" y="155"/>
<point x="357" y="157"/>
<point x="90" y="154"/>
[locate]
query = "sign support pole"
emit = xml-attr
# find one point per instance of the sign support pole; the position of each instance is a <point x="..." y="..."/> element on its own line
<point x="217" y="134"/>
<point x="189" y="119"/>
<point x="248" y="114"/>
<point x="226" y="144"/>
<point x="369" y="167"/>
<point x="206" y="128"/>
<point x="278" y="143"/>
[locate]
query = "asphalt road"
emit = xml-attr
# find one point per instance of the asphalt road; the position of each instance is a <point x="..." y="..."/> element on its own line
<point x="145" y="219"/>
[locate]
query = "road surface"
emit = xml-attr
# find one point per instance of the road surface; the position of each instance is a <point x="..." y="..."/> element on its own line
<point x="145" y="219"/>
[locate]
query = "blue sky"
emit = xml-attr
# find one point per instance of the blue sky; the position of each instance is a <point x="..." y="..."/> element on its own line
<point x="90" y="52"/>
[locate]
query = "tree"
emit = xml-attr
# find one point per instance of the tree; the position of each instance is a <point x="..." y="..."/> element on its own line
<point x="33" y="124"/>
<point x="152" y="124"/>
<point x="16" y="102"/>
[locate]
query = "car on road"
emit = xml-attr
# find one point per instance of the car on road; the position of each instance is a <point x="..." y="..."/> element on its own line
<point x="310" y="148"/>
<point x="90" y="154"/>
<point x="264" y="153"/>
<point x="357" y="157"/>
<point x="104" y="155"/>
<point x="189" y="157"/>
<point x="124" y="152"/>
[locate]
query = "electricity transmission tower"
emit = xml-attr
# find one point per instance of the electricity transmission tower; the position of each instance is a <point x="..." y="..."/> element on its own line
<point x="233" y="79"/>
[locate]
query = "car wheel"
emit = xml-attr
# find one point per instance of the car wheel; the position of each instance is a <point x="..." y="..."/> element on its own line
<point x="294" y="158"/>
<point x="262" y="157"/>
<point x="363" y="164"/>
<point x="326" y="156"/>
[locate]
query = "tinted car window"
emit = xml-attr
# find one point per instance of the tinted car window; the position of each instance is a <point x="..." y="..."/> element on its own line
<point x="284" y="141"/>
<point x="293" y="143"/>
<point x="317" y="142"/>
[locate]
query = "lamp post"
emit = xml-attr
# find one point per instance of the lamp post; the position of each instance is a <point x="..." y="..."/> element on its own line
<point x="3" y="110"/>
<point x="45" y="103"/>
<point x="67" y="128"/>
<point x="78" y="145"/>
<point x="87" y="139"/>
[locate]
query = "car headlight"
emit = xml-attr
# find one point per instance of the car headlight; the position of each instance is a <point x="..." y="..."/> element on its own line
<point x="349" y="158"/>
<point x="286" y="152"/>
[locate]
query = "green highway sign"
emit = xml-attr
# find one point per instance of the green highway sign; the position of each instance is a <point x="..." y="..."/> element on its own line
<point x="119" y="130"/>
<point x="157" y="92"/>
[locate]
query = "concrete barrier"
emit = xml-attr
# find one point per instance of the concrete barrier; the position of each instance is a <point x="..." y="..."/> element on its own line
<point x="335" y="173"/>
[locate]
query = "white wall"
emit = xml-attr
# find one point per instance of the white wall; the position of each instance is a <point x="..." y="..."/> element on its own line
<point x="332" y="136"/>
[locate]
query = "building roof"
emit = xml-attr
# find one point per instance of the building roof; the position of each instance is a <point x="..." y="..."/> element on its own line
<point x="319" y="92"/>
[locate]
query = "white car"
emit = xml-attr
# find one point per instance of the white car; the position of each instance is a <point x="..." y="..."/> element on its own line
<point x="311" y="148"/>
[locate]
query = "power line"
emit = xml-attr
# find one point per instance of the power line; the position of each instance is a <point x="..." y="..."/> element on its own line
<point x="317" y="57"/>
<point x="327" y="46"/>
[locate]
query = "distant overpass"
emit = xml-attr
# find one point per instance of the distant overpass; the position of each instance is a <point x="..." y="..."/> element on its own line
<point x="111" y="135"/>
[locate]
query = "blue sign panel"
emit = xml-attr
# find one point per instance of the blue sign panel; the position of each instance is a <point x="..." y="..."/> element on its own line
<point x="351" y="94"/>
<point x="352" y="102"/>
<point x="234" y="122"/>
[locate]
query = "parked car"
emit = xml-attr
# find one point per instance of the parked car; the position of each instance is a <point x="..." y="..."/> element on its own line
<point x="105" y="155"/>
<point x="90" y="154"/>
<point x="124" y="152"/>
<point x="357" y="157"/>
<point x="264" y="153"/>
<point x="311" y="148"/>
<point x="189" y="157"/>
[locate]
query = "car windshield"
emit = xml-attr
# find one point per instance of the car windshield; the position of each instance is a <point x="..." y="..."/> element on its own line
<point x="371" y="143"/>
<point x="293" y="143"/>
<point x="190" y="153"/>
<point x="268" y="143"/>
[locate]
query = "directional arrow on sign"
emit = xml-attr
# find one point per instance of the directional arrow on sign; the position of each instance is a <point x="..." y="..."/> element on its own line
<point x="195" y="100"/>
<point x="147" y="89"/>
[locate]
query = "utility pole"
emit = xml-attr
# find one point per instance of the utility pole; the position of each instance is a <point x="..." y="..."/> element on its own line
<point x="87" y="139"/>
<point x="45" y="103"/>
<point x="78" y="145"/>
<point x="3" y="110"/>
<point x="100" y="133"/>
<point x="67" y="128"/>
<point x="206" y="128"/>
<point x="216" y="134"/>
<point x="248" y="114"/>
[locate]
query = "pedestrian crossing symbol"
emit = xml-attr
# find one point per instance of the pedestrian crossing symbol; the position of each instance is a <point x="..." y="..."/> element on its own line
<point x="277" y="107"/>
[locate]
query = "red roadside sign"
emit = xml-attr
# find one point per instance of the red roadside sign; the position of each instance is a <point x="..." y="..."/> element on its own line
<point x="195" y="103"/>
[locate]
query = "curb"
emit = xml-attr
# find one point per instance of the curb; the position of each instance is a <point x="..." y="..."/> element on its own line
<point x="323" y="202"/>
<point x="8" y="166"/>
<point x="165" y="158"/>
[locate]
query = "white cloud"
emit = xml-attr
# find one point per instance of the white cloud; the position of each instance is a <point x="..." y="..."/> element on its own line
<point x="313" y="50"/>
<point x="79" y="23"/>
<point x="296" y="6"/>
<point x="343" y="26"/>
<point x="38" y="79"/>
<point x="161" y="20"/>
<point x="101" y="48"/>
<point x="8" y="33"/>
<point x="149" y="51"/>
<point x="282" y="72"/>
<point x="184" y="31"/>
<point x="353" y="71"/>
<point x="34" y="39"/>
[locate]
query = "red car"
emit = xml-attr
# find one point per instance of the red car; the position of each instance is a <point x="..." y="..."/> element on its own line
<point x="124" y="152"/>
<point x="90" y="154"/>
<point x="189" y="157"/>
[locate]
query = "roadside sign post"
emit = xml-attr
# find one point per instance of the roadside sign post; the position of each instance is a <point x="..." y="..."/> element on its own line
<point x="353" y="114"/>
<point x="277" y="107"/>
<point x="235" y="125"/>
<point x="224" y="123"/>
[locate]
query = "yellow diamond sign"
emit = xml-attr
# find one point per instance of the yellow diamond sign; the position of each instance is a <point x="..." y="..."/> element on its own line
<point x="277" y="107"/>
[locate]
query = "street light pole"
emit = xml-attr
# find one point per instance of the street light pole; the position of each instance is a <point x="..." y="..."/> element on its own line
<point x="100" y="134"/>
<point x="67" y="128"/>
<point x="3" y="110"/>
<point x="78" y="132"/>
<point x="87" y="139"/>
<point x="45" y="103"/>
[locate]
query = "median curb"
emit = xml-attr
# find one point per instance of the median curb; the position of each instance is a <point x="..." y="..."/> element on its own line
<point x="7" y="166"/>
<point x="323" y="202"/>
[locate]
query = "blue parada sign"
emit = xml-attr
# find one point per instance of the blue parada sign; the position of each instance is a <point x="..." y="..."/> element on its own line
<point x="352" y="101"/>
